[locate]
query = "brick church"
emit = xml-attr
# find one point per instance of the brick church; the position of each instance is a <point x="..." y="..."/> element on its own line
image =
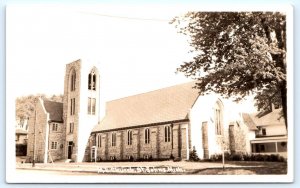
<point x="161" y="124"/>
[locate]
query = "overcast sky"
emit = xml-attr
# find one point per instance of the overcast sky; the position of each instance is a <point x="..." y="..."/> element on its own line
<point x="136" y="47"/>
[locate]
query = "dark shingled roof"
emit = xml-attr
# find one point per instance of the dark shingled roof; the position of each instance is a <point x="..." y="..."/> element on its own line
<point x="163" y="105"/>
<point x="249" y="122"/>
<point x="55" y="110"/>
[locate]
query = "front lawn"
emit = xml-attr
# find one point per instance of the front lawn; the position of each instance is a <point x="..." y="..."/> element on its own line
<point x="247" y="168"/>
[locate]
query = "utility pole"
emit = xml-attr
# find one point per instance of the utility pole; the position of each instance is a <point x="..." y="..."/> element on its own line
<point x="223" y="154"/>
<point x="34" y="132"/>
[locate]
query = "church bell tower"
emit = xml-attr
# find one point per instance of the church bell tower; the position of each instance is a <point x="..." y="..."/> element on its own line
<point x="80" y="106"/>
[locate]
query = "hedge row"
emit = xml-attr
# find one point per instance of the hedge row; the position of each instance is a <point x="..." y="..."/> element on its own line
<point x="248" y="157"/>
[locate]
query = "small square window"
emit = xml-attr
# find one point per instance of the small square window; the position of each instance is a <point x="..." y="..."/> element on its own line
<point x="53" y="145"/>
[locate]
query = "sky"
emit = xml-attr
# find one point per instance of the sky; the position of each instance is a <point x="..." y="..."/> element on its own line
<point x="136" y="48"/>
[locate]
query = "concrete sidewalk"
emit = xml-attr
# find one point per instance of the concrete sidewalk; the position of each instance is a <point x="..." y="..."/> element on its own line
<point x="155" y="167"/>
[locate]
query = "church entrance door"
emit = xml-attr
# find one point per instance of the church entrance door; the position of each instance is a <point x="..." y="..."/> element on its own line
<point x="70" y="150"/>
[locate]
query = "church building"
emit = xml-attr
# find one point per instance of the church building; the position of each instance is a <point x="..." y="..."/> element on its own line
<point x="169" y="123"/>
<point x="60" y="131"/>
<point x="161" y="124"/>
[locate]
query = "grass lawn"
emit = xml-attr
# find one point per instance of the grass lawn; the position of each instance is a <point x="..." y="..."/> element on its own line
<point x="247" y="168"/>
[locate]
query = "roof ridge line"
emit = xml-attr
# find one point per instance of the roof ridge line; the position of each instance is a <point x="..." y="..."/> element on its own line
<point x="149" y="91"/>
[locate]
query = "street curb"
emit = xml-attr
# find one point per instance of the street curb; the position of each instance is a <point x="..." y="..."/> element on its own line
<point x="96" y="171"/>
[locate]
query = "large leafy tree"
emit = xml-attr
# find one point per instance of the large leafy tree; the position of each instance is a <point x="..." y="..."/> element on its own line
<point x="25" y="105"/>
<point x="237" y="54"/>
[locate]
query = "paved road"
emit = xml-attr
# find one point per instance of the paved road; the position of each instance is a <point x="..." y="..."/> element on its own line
<point x="30" y="173"/>
<point x="46" y="176"/>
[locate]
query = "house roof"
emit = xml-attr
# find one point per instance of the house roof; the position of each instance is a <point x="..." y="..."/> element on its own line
<point x="249" y="122"/>
<point x="163" y="105"/>
<point x="282" y="138"/>
<point x="271" y="118"/>
<point x="55" y="110"/>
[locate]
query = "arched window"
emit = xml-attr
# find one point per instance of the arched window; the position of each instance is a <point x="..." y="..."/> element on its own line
<point x="218" y="112"/>
<point x="113" y="139"/>
<point x="147" y="136"/>
<point x="92" y="84"/>
<point x="92" y="81"/>
<point x="167" y="134"/>
<point x="129" y="138"/>
<point x="73" y="80"/>
<point x="99" y="140"/>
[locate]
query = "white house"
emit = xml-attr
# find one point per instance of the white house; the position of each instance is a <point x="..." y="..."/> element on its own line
<point x="271" y="136"/>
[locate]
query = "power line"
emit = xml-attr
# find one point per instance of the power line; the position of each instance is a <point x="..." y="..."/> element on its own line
<point x="125" y="17"/>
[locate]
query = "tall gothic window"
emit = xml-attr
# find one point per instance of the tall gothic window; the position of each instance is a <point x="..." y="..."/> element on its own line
<point x="113" y="139"/>
<point x="167" y="133"/>
<point x="147" y="136"/>
<point x="71" y="127"/>
<point x="73" y="80"/>
<point x="99" y="140"/>
<point x="91" y="106"/>
<point x="129" y="138"/>
<point x="218" y="118"/>
<point x="92" y="81"/>
<point x="72" y="110"/>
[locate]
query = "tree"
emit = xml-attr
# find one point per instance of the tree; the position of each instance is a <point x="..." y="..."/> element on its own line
<point x="237" y="54"/>
<point x="56" y="98"/>
<point x="25" y="105"/>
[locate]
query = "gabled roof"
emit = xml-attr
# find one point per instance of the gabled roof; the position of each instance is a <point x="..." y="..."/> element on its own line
<point x="55" y="110"/>
<point x="163" y="105"/>
<point x="249" y="122"/>
<point x="271" y="118"/>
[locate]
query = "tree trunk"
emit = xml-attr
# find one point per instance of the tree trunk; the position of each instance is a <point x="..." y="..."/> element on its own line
<point x="284" y="102"/>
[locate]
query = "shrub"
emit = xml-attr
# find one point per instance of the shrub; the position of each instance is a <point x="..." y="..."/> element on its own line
<point x="216" y="157"/>
<point x="171" y="157"/>
<point x="150" y="158"/>
<point x="177" y="159"/>
<point x="99" y="159"/>
<point x="194" y="155"/>
<point x="246" y="157"/>
<point x="273" y="157"/>
<point x="236" y="157"/>
<point x="256" y="157"/>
